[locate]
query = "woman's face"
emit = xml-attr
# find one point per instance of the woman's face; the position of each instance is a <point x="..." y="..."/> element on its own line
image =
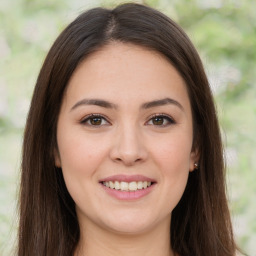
<point x="125" y="138"/>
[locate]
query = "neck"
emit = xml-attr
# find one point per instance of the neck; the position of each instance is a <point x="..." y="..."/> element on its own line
<point x="97" y="242"/>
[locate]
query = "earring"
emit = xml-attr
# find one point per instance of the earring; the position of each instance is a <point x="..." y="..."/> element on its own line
<point x="196" y="166"/>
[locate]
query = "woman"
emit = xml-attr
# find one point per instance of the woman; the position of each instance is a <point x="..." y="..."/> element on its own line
<point x="122" y="151"/>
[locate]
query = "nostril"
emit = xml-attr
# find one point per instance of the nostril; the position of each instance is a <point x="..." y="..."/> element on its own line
<point x="118" y="160"/>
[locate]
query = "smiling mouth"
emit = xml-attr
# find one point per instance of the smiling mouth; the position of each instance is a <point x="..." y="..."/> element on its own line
<point x="127" y="186"/>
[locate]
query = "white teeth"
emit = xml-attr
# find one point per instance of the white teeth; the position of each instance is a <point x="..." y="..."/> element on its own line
<point x="111" y="184"/>
<point x="127" y="186"/>
<point x="133" y="186"/>
<point x="140" y="185"/>
<point x="117" y="185"/>
<point x="124" y="186"/>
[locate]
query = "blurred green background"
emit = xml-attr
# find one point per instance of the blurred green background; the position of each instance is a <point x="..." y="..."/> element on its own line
<point x="224" y="32"/>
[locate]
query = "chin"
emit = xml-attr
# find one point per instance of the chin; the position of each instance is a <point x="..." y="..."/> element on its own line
<point x="125" y="229"/>
<point x="132" y="225"/>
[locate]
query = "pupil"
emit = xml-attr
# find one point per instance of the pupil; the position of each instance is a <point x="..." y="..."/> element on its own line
<point x="158" y="121"/>
<point x="96" y="121"/>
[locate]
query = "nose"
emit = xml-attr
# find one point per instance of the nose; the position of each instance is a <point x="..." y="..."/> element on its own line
<point x="128" y="146"/>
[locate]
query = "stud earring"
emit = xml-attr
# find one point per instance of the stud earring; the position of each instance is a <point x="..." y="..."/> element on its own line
<point x="196" y="166"/>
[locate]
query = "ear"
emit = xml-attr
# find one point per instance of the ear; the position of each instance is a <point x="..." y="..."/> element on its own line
<point x="57" y="158"/>
<point x="194" y="159"/>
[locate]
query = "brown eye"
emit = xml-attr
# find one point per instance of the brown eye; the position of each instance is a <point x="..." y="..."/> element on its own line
<point x="158" y="120"/>
<point x="161" y="120"/>
<point x="95" y="120"/>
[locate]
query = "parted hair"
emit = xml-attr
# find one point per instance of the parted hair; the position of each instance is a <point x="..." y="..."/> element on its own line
<point x="200" y="223"/>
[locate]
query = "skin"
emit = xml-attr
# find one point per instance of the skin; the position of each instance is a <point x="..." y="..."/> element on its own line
<point x="125" y="139"/>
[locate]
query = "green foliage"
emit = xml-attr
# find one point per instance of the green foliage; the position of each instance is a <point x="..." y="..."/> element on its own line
<point x="223" y="31"/>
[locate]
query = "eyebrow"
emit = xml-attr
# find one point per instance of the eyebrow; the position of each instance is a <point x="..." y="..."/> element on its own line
<point x="147" y="105"/>
<point x="96" y="102"/>
<point x="161" y="102"/>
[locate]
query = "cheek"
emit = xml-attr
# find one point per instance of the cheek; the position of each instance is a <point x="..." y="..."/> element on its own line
<point x="80" y="153"/>
<point x="80" y="160"/>
<point x="174" y="153"/>
<point x="173" y="159"/>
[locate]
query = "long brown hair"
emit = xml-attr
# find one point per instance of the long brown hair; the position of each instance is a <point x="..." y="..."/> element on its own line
<point x="201" y="222"/>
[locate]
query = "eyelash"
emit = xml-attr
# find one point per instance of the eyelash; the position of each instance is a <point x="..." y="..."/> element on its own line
<point x="89" y="118"/>
<point x="167" y="118"/>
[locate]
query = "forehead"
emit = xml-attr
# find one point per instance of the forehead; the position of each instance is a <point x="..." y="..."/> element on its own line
<point x="120" y="70"/>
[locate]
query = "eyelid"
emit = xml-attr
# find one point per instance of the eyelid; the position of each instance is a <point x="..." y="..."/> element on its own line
<point x="169" y="118"/>
<point x="166" y="116"/>
<point x="87" y="117"/>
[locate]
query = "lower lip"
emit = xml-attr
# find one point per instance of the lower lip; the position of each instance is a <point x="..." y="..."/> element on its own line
<point x="128" y="195"/>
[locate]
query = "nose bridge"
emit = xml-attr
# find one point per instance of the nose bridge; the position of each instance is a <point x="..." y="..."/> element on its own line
<point x="128" y="146"/>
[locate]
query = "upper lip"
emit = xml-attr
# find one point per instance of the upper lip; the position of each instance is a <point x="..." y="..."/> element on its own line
<point x="127" y="178"/>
